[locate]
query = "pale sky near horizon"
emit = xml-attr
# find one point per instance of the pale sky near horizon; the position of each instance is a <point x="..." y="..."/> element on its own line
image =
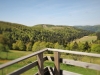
<point x="57" y="12"/>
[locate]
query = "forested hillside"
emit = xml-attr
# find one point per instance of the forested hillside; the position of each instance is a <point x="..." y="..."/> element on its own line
<point x="22" y="37"/>
<point x="95" y="28"/>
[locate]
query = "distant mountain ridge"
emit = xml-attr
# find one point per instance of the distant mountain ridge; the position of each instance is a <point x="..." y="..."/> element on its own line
<point x="94" y="28"/>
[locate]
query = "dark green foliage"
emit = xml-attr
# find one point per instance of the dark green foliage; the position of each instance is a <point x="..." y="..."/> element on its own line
<point x="80" y="46"/>
<point x="4" y="43"/>
<point x="3" y="39"/>
<point x="98" y="35"/>
<point x="75" y="46"/>
<point x="43" y="32"/>
<point x="4" y="48"/>
<point x="86" y="46"/>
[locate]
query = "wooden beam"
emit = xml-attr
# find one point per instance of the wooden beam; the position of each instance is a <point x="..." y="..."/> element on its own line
<point x="40" y="63"/>
<point x="21" y="59"/>
<point x="74" y="52"/>
<point x="57" y="63"/>
<point x="69" y="73"/>
<point x="82" y="64"/>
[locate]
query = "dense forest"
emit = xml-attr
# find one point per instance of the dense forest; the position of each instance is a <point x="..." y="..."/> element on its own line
<point x="20" y="37"/>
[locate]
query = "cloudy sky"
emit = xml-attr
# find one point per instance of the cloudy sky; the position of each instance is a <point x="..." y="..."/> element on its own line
<point x="57" y="12"/>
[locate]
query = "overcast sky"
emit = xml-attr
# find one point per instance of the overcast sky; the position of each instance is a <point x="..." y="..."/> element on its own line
<point x="57" y="12"/>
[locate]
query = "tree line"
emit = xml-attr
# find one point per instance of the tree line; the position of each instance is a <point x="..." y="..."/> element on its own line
<point x="21" y="37"/>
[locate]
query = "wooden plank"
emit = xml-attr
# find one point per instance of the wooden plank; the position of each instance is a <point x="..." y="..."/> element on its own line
<point x="78" y="63"/>
<point x="74" y="52"/>
<point x="25" y="68"/>
<point x="82" y="64"/>
<point x="40" y="63"/>
<point x="20" y="59"/>
<point x="57" y="64"/>
<point x="69" y="73"/>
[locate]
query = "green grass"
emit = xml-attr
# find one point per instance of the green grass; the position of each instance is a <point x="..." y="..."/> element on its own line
<point x="82" y="58"/>
<point x="12" y="54"/>
<point x="86" y="38"/>
<point x="17" y="66"/>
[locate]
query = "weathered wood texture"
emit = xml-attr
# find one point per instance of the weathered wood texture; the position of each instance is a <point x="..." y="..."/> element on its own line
<point x="69" y="73"/>
<point x="57" y="64"/>
<point x="82" y="64"/>
<point x="75" y="52"/>
<point x="40" y="63"/>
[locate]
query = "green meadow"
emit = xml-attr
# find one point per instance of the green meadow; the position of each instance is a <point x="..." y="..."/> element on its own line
<point x="86" y="38"/>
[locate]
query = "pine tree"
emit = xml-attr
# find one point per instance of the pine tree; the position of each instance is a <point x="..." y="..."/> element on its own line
<point x="98" y="35"/>
<point x="86" y="46"/>
<point x="75" y="46"/>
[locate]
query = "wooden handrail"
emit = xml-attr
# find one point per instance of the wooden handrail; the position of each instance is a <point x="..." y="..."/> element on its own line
<point x="26" y="67"/>
<point x="74" y="52"/>
<point x="20" y="59"/>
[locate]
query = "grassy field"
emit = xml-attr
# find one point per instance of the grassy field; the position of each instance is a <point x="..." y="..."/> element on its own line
<point x="86" y="38"/>
<point x="12" y="54"/>
<point x="16" y="54"/>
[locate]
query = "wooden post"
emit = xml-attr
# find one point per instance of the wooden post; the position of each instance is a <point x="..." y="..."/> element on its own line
<point x="57" y="63"/>
<point x="40" y="63"/>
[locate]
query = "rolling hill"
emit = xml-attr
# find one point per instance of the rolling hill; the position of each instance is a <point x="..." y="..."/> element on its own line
<point x="41" y="32"/>
<point x="95" y="28"/>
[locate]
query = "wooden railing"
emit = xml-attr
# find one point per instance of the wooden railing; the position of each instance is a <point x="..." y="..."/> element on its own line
<point x="57" y="60"/>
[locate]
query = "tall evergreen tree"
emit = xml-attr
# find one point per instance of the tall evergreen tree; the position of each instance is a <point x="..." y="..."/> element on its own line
<point x="98" y="35"/>
<point x="75" y="46"/>
<point x="86" y="46"/>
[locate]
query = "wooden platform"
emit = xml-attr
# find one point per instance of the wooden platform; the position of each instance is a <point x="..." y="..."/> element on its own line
<point x="69" y="73"/>
<point x="57" y="60"/>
